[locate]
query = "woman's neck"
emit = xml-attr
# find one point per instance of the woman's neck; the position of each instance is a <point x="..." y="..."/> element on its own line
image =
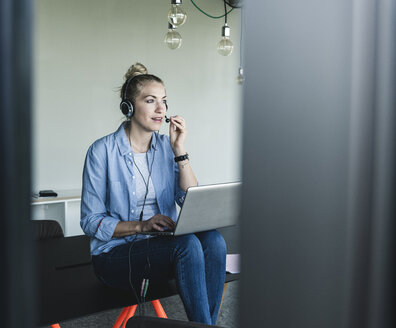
<point x="138" y="139"/>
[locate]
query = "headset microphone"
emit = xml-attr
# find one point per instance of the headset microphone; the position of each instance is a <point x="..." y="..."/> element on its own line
<point x="167" y="120"/>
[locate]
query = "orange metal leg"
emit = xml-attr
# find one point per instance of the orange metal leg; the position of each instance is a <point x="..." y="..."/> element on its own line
<point x="121" y="317"/>
<point x="55" y="325"/>
<point x="159" y="309"/>
<point x="130" y="313"/>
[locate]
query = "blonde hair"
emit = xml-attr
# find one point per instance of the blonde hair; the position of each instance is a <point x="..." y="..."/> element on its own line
<point x="135" y="78"/>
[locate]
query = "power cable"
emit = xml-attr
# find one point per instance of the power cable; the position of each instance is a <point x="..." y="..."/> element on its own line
<point x="214" y="17"/>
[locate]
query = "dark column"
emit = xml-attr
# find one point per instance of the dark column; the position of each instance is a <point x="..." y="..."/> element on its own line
<point x="18" y="305"/>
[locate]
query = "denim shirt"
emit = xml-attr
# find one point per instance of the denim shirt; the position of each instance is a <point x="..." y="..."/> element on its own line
<point x="109" y="187"/>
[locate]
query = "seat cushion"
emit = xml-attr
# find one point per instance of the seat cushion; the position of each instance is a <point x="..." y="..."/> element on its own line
<point x="46" y="229"/>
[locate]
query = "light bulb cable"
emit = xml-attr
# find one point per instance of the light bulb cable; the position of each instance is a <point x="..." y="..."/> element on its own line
<point x="241" y="41"/>
<point x="211" y="16"/>
<point x="225" y="13"/>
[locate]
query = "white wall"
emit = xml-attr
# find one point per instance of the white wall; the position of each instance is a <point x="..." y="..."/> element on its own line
<point x="82" y="51"/>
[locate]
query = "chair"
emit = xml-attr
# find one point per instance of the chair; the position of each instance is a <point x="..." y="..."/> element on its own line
<point x="50" y="230"/>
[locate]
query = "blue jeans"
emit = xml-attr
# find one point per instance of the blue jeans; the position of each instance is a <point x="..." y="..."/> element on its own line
<point x="197" y="261"/>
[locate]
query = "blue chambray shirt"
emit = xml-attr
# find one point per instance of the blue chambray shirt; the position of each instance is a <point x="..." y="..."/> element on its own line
<point x="109" y="189"/>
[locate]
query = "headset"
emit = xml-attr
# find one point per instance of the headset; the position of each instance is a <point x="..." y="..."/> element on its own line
<point x="126" y="105"/>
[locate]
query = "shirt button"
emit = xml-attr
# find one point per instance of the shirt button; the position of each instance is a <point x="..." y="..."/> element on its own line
<point x="133" y="193"/>
<point x="133" y="177"/>
<point x="130" y="154"/>
<point x="129" y="162"/>
<point x="132" y="211"/>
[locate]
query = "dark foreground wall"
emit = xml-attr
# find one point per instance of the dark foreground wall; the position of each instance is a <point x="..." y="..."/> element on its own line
<point x="318" y="164"/>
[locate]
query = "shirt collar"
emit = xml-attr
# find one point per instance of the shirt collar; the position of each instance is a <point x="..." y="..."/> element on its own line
<point x="123" y="143"/>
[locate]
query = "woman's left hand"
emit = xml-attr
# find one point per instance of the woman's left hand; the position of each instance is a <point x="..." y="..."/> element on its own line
<point x="177" y="134"/>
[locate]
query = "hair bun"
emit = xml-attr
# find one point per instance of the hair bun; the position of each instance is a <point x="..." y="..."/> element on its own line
<point x="134" y="70"/>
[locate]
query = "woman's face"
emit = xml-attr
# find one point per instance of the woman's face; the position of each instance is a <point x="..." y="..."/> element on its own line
<point x="150" y="107"/>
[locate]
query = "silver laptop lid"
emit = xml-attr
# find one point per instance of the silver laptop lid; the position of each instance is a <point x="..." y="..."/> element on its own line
<point x="209" y="207"/>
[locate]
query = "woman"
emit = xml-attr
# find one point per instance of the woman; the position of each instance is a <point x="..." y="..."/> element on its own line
<point x="131" y="181"/>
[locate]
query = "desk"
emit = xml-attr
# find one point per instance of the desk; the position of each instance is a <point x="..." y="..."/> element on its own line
<point x="65" y="208"/>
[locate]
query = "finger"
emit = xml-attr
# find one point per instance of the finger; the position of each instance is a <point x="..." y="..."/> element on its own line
<point x="170" y="221"/>
<point x="177" y="117"/>
<point x="163" y="218"/>
<point x="179" y="126"/>
<point x="179" y="120"/>
<point x="157" y="227"/>
<point x="166" y="222"/>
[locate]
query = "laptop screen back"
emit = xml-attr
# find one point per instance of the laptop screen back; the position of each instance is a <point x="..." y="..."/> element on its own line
<point x="209" y="207"/>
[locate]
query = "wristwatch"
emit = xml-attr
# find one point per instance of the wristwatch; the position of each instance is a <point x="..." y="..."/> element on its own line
<point x="181" y="158"/>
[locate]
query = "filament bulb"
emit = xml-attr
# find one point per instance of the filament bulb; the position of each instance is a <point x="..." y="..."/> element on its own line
<point x="177" y="15"/>
<point x="225" y="46"/>
<point x="240" y="78"/>
<point x="173" y="39"/>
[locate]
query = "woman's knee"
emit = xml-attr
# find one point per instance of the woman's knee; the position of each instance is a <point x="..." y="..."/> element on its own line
<point x="213" y="241"/>
<point x="189" y="245"/>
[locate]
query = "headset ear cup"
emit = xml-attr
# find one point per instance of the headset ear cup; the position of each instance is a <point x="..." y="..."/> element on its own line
<point x="127" y="108"/>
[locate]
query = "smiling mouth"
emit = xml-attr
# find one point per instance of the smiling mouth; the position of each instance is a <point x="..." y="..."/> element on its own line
<point x="157" y="119"/>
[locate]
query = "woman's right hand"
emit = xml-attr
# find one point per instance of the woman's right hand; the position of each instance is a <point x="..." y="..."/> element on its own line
<point x="158" y="222"/>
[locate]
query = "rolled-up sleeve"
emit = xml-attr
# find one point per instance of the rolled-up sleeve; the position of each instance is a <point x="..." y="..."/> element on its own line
<point x="95" y="220"/>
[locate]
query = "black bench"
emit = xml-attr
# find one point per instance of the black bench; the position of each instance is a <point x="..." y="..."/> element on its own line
<point x="68" y="287"/>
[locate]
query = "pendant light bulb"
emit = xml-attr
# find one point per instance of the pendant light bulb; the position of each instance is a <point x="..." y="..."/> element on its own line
<point x="173" y="38"/>
<point x="176" y="15"/>
<point x="225" y="46"/>
<point x="240" y="78"/>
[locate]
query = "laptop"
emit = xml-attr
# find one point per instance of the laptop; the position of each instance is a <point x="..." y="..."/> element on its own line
<point x="206" y="208"/>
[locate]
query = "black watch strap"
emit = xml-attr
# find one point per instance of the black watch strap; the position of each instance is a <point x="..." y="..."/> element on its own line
<point x="181" y="158"/>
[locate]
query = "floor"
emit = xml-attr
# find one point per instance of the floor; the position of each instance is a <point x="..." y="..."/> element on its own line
<point x="173" y="307"/>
